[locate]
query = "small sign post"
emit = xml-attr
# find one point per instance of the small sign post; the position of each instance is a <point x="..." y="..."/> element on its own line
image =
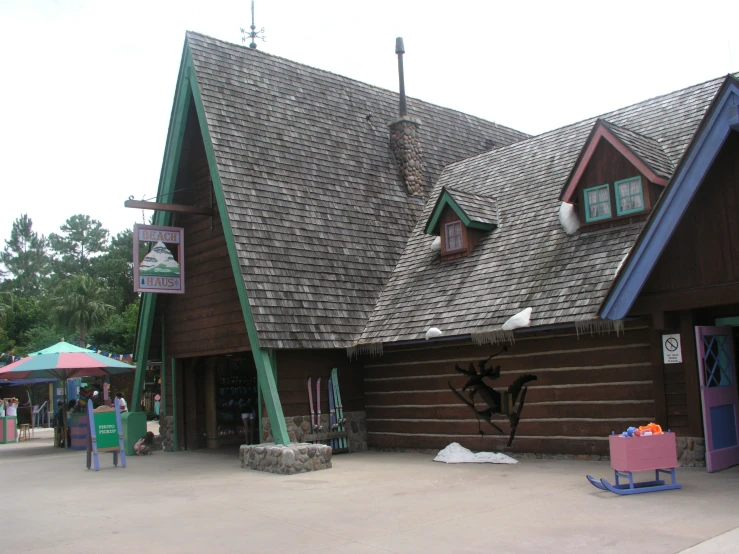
<point x="672" y="351"/>
<point x="105" y="434"/>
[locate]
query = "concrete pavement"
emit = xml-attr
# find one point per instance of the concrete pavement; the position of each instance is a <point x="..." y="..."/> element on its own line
<point x="369" y="502"/>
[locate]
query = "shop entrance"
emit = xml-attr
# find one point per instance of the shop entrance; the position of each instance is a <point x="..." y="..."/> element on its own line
<point x="719" y="396"/>
<point x="220" y="401"/>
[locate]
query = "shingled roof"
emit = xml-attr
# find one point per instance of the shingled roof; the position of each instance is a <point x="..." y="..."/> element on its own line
<point x="528" y="261"/>
<point x="648" y="149"/>
<point x="318" y="212"/>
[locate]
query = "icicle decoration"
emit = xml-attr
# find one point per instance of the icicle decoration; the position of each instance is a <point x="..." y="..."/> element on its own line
<point x="599" y="326"/>
<point x="373" y="349"/>
<point x="495" y="336"/>
<point x="432" y="333"/>
<point x="568" y="218"/>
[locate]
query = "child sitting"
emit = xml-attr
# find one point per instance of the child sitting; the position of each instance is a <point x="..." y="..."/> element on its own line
<point x="143" y="445"/>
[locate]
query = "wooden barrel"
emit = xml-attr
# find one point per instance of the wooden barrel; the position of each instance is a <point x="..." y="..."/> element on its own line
<point x="78" y="430"/>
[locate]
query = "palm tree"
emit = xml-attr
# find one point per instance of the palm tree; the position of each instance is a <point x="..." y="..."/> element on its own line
<point x="79" y="302"/>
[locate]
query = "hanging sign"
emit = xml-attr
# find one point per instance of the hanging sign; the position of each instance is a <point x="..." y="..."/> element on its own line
<point x="672" y="351"/>
<point x="162" y="270"/>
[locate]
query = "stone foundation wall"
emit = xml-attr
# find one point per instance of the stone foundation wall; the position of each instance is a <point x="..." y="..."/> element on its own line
<point x="298" y="426"/>
<point x="166" y="433"/>
<point x="691" y="452"/>
<point x="285" y="460"/>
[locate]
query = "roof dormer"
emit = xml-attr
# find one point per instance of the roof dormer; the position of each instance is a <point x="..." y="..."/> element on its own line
<point x="460" y="218"/>
<point x="618" y="176"/>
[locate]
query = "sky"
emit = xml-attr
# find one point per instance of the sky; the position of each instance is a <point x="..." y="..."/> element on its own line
<point x="87" y="85"/>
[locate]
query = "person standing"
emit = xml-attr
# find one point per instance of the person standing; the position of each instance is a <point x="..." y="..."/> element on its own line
<point x="122" y="402"/>
<point x="59" y="415"/>
<point x="11" y="407"/>
<point x="11" y="410"/>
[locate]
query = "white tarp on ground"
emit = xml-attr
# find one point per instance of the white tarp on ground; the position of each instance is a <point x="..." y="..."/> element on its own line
<point x="455" y="453"/>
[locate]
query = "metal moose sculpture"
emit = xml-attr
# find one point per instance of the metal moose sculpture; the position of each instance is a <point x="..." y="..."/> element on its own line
<point x="500" y="403"/>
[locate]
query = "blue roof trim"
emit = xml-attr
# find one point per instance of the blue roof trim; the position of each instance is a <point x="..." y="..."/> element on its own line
<point x="672" y="206"/>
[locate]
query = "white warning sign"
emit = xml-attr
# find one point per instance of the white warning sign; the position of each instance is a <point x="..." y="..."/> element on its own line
<point x="672" y="351"/>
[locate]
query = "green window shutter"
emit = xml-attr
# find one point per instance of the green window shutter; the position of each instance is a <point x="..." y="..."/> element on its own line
<point x="629" y="196"/>
<point x="597" y="203"/>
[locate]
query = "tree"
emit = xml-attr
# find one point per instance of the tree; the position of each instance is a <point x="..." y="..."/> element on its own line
<point x="115" y="267"/>
<point x="82" y="239"/>
<point x="79" y="303"/>
<point x="43" y="336"/>
<point x="119" y="332"/>
<point x="20" y="315"/>
<point x="25" y="258"/>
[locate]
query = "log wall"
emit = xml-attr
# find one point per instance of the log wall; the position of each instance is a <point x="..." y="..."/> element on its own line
<point x="295" y="366"/>
<point x="587" y="387"/>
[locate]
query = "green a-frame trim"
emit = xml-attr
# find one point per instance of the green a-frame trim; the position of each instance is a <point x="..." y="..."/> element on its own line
<point x="187" y="92"/>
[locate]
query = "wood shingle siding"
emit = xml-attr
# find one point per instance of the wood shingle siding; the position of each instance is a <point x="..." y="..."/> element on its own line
<point x="207" y="320"/>
<point x="528" y="261"/>
<point x="587" y="387"/>
<point x="702" y="251"/>
<point x="316" y="205"/>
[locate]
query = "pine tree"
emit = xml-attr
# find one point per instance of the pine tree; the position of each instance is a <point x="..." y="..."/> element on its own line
<point x="25" y="258"/>
<point x="82" y="239"/>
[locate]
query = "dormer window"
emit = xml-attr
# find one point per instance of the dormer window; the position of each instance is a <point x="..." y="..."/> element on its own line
<point x="597" y="203"/>
<point x="629" y="196"/>
<point x="461" y="218"/>
<point x="618" y="177"/>
<point x="453" y="236"/>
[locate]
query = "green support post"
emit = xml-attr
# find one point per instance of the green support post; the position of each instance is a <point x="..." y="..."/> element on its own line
<point x="265" y="375"/>
<point x="163" y="378"/>
<point x="174" y="407"/>
<point x="142" y="350"/>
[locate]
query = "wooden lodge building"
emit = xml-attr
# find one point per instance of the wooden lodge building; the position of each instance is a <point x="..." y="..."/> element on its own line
<point x="313" y="211"/>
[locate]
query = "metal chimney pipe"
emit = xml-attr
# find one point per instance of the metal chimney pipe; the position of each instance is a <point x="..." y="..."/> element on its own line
<point x="400" y="50"/>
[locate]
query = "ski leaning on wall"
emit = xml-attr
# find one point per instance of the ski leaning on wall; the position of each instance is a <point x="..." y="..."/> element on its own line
<point x="339" y="408"/>
<point x="312" y="412"/>
<point x="333" y="426"/>
<point x="319" y="426"/>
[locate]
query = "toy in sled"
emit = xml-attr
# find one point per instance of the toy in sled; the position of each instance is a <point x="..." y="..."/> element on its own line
<point x="656" y="453"/>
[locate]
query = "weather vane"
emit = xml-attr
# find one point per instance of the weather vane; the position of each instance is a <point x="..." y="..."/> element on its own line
<point x="254" y="34"/>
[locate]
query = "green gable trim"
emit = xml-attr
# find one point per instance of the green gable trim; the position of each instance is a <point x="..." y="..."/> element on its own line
<point x="265" y="371"/>
<point x="187" y="91"/>
<point x="167" y="178"/>
<point x="445" y="199"/>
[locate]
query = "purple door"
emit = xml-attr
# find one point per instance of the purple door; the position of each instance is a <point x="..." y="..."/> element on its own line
<point x="720" y="396"/>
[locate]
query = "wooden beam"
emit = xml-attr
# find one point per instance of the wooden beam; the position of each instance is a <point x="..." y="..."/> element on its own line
<point x="658" y="373"/>
<point x="162" y="207"/>
<point x="325" y="436"/>
<point x="686" y="299"/>
<point x="692" y="380"/>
